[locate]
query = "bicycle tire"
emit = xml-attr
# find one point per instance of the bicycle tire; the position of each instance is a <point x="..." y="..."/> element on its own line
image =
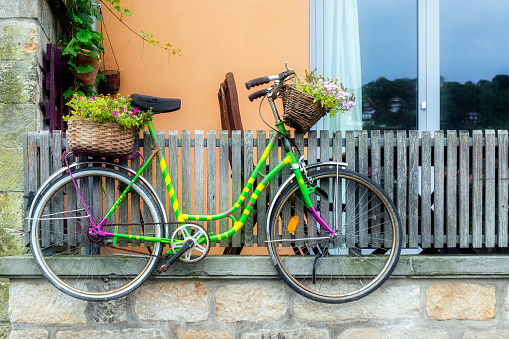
<point x="80" y="265"/>
<point x="341" y="268"/>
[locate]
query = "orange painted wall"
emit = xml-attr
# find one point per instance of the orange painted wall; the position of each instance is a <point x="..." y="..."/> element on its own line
<point x="246" y="37"/>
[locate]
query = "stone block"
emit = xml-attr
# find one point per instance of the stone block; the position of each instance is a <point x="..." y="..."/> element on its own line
<point x="5" y="331"/>
<point x="4" y="300"/>
<point x="204" y="335"/>
<point x="109" y="312"/>
<point x="19" y="82"/>
<point x="41" y="303"/>
<point x="15" y="120"/>
<point x="460" y="301"/>
<point x="389" y="302"/>
<point x="486" y="334"/>
<point x="183" y="302"/>
<point x="11" y="163"/>
<point x="19" y="9"/>
<point x="303" y="333"/>
<point x="364" y="333"/>
<point x="30" y="334"/>
<point x="128" y="333"/>
<point x="11" y="219"/>
<point x="265" y="301"/>
<point x="18" y="40"/>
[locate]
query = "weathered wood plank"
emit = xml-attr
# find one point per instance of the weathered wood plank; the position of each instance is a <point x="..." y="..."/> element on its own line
<point x="477" y="176"/>
<point x="503" y="192"/>
<point x="224" y="185"/>
<point x="186" y="171"/>
<point x="56" y="155"/>
<point x="160" y="185"/>
<point x="464" y="184"/>
<point x="31" y="183"/>
<point x="236" y="181"/>
<point x="401" y="168"/>
<point x="261" y="204"/>
<point x="337" y="206"/>
<point x="439" y="192"/>
<point x="376" y="159"/>
<point x="324" y="156"/>
<point x="413" y="189"/>
<point x="451" y="205"/>
<point x="312" y="158"/>
<point x="352" y="191"/>
<point x="173" y="170"/>
<point x="199" y="172"/>
<point x="364" y="210"/>
<point x="44" y="172"/>
<point x="426" y="189"/>
<point x="248" y="169"/>
<point x="388" y="179"/>
<point x="134" y="201"/>
<point x="211" y="179"/>
<point x="489" y="189"/>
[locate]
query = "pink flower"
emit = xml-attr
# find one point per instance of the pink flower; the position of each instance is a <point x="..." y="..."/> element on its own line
<point x="122" y="110"/>
<point x="135" y="110"/>
<point x="114" y="112"/>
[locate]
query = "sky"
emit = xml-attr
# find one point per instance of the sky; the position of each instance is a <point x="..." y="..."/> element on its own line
<point x="474" y="39"/>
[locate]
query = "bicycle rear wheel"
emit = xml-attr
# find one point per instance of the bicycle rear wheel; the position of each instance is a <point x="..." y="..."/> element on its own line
<point x="340" y="267"/>
<point x="88" y="267"/>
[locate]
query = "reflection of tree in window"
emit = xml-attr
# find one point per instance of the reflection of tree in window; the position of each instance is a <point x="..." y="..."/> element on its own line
<point x="389" y="104"/>
<point x="483" y="105"/>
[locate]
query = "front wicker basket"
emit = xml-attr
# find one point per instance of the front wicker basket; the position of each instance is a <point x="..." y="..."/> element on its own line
<point x="106" y="138"/>
<point x="300" y="112"/>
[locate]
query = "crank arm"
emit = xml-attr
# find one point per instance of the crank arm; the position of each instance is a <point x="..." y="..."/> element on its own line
<point x="187" y="245"/>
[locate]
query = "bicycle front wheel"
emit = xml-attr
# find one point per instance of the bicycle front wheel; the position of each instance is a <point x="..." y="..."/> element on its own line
<point x="353" y="260"/>
<point x="88" y="267"/>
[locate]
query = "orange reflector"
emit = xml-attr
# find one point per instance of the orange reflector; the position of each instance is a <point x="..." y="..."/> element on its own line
<point x="292" y="225"/>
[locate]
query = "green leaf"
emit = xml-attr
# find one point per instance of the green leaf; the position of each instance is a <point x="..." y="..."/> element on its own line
<point x="84" y="35"/>
<point x="77" y="19"/>
<point x="84" y="69"/>
<point x="128" y="12"/>
<point x="68" y="93"/>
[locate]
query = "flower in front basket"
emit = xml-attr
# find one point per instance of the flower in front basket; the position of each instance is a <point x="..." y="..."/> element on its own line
<point x="331" y="95"/>
<point x="108" y="109"/>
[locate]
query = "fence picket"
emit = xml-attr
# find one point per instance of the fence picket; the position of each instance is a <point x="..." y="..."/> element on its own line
<point x="401" y="167"/>
<point x="503" y="192"/>
<point x="261" y="204"/>
<point x="489" y="189"/>
<point x="312" y="158"/>
<point x="464" y="208"/>
<point x="211" y="179"/>
<point x="224" y="178"/>
<point x="426" y="189"/>
<point x="376" y="160"/>
<point x="186" y="171"/>
<point x="413" y="189"/>
<point x="236" y="181"/>
<point x="452" y="188"/>
<point x="388" y="176"/>
<point x="199" y="172"/>
<point x="248" y="169"/>
<point x="439" y="192"/>
<point x="477" y="204"/>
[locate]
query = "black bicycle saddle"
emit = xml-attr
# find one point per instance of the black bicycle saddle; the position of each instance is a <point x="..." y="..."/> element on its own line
<point x="158" y="105"/>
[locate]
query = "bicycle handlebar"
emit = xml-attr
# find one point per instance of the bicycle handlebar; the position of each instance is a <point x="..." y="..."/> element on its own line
<point x="278" y="79"/>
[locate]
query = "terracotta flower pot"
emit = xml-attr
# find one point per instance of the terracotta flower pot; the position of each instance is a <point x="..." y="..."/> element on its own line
<point x="87" y="78"/>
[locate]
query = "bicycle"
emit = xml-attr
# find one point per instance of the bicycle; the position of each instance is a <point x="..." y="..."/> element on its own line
<point x="98" y="228"/>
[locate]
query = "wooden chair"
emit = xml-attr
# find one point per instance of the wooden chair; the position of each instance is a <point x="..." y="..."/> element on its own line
<point x="230" y="121"/>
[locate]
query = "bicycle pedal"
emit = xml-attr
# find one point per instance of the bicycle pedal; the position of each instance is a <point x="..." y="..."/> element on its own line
<point x="163" y="268"/>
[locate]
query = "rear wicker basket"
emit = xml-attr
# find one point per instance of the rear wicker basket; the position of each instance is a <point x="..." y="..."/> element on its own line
<point x="107" y="138"/>
<point x="300" y="112"/>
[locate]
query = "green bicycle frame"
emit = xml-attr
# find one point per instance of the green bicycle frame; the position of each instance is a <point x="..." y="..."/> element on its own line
<point x="289" y="159"/>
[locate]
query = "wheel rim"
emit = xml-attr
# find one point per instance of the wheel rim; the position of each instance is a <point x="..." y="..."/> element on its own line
<point x="83" y="266"/>
<point x="352" y="263"/>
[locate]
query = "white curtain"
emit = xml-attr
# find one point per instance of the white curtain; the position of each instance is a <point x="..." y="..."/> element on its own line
<point x="342" y="57"/>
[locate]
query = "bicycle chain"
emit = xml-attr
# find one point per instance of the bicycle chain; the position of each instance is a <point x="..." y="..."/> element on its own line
<point x="138" y="252"/>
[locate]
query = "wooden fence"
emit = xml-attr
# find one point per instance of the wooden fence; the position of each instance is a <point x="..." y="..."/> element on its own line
<point x="450" y="188"/>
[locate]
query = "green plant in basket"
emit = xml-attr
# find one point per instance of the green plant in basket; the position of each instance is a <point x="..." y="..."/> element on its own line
<point x="108" y="109"/>
<point x="333" y="96"/>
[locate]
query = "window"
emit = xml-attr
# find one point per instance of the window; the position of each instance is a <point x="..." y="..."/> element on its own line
<point x="416" y="64"/>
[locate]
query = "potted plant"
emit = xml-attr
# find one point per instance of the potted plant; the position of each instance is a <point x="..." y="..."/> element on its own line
<point x="104" y="125"/>
<point x="84" y="47"/>
<point x="306" y="100"/>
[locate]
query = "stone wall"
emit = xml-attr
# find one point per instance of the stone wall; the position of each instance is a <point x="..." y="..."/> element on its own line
<point x="201" y="302"/>
<point x="26" y="27"/>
